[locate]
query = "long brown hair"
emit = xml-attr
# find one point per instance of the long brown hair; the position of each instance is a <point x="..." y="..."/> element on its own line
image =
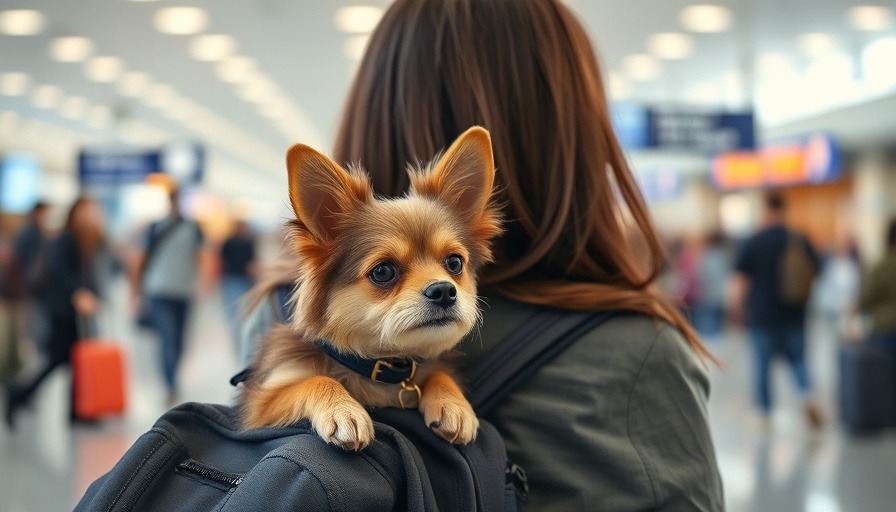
<point x="88" y="235"/>
<point x="578" y="233"/>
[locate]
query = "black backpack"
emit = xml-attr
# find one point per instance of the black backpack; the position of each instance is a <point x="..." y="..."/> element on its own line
<point x="196" y="458"/>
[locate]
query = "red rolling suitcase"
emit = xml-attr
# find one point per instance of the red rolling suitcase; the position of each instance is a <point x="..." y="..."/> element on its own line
<point x="99" y="374"/>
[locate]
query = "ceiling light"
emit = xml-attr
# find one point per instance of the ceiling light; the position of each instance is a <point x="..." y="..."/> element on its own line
<point x="8" y="121"/>
<point x="870" y="18"/>
<point x="104" y="69"/>
<point x="160" y="95"/>
<point x="21" y="22"/>
<point x="235" y="69"/>
<point x="71" y="49"/>
<point x="256" y="89"/>
<point x="354" y="47"/>
<point x="831" y="68"/>
<point x="99" y="116"/>
<point x="180" y="108"/>
<point x="705" y="18"/>
<point x="272" y="111"/>
<point x="642" y="68"/>
<point x="14" y="84"/>
<point x="181" y="20"/>
<point x="46" y="96"/>
<point x="73" y="107"/>
<point x="671" y="45"/>
<point x="877" y="63"/>
<point x="774" y="65"/>
<point x="358" y="18"/>
<point x="133" y="83"/>
<point x="212" y="47"/>
<point x="817" y="44"/>
<point x="704" y="93"/>
<point x="620" y="88"/>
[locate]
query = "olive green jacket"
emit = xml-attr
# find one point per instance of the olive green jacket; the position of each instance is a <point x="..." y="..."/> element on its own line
<point x="617" y="422"/>
<point x="878" y="297"/>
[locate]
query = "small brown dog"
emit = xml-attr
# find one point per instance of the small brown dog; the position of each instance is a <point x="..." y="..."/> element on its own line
<point x="387" y="289"/>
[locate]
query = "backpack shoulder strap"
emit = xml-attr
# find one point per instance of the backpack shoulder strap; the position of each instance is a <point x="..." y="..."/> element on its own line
<point x="532" y="344"/>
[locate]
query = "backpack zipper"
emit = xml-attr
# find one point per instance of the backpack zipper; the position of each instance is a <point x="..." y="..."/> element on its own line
<point x="230" y="480"/>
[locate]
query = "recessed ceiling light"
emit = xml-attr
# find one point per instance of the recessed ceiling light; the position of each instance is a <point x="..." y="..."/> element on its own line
<point x="99" y="116"/>
<point x="235" y="69"/>
<point x="181" y="20"/>
<point x="256" y="88"/>
<point x="73" y="107"/>
<point x="354" y="47"/>
<point x="641" y="67"/>
<point x="271" y="111"/>
<point x="9" y="121"/>
<point x="836" y="67"/>
<point x="357" y="18"/>
<point x="160" y="95"/>
<point x="46" y="96"/>
<point x="671" y="45"/>
<point x="705" y="18"/>
<point x="774" y="65"/>
<point x="21" y="22"/>
<point x="14" y="84"/>
<point x="180" y="108"/>
<point x="212" y="47"/>
<point x="133" y="83"/>
<point x="104" y="69"/>
<point x="817" y="44"/>
<point x="620" y="88"/>
<point x="71" y="49"/>
<point x="869" y="17"/>
<point x="877" y="63"/>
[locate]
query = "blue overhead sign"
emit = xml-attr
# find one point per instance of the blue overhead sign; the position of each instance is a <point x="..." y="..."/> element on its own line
<point x="185" y="163"/>
<point x="699" y="131"/>
<point x="640" y="127"/>
<point x="110" y="168"/>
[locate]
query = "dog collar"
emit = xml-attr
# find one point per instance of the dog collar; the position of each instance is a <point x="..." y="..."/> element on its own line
<point x="390" y="371"/>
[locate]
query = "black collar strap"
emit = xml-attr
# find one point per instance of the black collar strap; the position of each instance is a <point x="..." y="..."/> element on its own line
<point x="390" y="371"/>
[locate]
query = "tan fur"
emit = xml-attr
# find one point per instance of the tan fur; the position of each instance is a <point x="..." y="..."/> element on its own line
<point x="341" y="234"/>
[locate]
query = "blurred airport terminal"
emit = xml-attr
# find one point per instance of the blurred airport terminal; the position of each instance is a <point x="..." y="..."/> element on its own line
<point x="716" y="105"/>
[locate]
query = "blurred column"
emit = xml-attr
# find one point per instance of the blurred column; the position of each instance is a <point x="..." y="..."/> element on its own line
<point x="874" y="191"/>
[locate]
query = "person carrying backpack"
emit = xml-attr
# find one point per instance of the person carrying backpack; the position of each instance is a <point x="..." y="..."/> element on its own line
<point x="774" y="273"/>
<point x="167" y="283"/>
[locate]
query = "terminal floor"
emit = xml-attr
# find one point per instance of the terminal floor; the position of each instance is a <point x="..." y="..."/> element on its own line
<point x="46" y="465"/>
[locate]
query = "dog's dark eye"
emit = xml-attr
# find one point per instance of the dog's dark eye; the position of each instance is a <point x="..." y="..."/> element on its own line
<point x="383" y="274"/>
<point x="454" y="264"/>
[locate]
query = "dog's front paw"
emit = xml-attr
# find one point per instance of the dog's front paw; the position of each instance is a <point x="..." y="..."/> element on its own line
<point x="345" y="424"/>
<point x="452" y="419"/>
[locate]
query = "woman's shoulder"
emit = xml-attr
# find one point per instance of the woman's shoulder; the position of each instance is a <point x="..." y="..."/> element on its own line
<point x="623" y="342"/>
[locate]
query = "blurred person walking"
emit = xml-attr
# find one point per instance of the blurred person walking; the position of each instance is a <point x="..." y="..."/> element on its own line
<point x="31" y="254"/>
<point x="770" y="289"/>
<point x="11" y="291"/>
<point x="238" y="272"/>
<point x="74" y="271"/>
<point x="712" y="269"/>
<point x="878" y="296"/>
<point x="167" y="281"/>
<point x="837" y="290"/>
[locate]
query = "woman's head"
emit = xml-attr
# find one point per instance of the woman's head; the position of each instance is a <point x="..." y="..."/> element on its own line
<point x="577" y="230"/>
<point x="85" y="222"/>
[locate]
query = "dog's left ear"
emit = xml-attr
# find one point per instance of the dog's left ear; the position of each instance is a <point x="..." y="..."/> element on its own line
<point x="464" y="176"/>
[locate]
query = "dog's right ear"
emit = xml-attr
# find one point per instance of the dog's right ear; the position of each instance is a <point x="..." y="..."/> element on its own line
<point x="322" y="192"/>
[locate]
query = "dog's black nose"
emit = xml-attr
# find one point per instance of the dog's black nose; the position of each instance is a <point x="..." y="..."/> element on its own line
<point x="441" y="293"/>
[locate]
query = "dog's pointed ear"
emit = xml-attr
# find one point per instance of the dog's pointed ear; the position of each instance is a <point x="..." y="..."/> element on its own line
<point x="464" y="176"/>
<point x="322" y="192"/>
